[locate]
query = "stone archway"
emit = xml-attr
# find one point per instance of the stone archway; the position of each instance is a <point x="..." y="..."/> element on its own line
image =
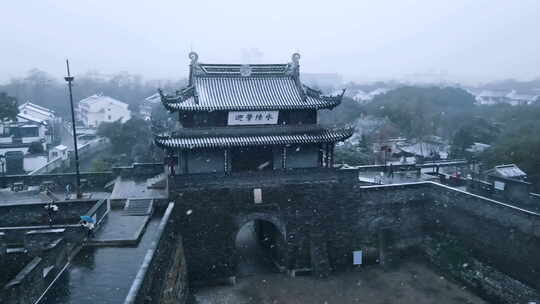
<point x="269" y="217"/>
<point x="260" y="244"/>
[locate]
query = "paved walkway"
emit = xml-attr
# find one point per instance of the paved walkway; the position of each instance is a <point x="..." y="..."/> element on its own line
<point x="102" y="274"/>
<point x="398" y="178"/>
<point x="120" y="229"/>
<point x="409" y="283"/>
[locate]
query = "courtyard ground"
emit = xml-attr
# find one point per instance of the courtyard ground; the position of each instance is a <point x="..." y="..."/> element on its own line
<point x="410" y="282"/>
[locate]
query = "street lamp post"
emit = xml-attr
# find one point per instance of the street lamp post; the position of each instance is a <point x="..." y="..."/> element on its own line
<point x="70" y="79"/>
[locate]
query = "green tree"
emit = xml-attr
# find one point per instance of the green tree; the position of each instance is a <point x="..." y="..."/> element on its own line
<point x="348" y="111"/>
<point x="421" y="111"/>
<point x="518" y="142"/>
<point x="474" y="130"/>
<point x="354" y="154"/>
<point x="132" y="138"/>
<point x="36" y="148"/>
<point x="100" y="165"/>
<point x="8" y="107"/>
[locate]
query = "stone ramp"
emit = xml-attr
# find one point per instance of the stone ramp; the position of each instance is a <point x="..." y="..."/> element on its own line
<point x="120" y="230"/>
<point x="157" y="182"/>
<point x="103" y="274"/>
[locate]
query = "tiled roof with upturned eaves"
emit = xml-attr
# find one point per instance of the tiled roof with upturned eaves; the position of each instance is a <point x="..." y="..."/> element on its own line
<point x="235" y="87"/>
<point x="208" y="141"/>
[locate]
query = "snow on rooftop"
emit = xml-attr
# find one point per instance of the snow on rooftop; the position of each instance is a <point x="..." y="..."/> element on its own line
<point x="368" y="96"/>
<point x="477" y="147"/>
<point x="424" y="149"/>
<point x="98" y="98"/>
<point x="37" y="108"/>
<point x="154" y="98"/>
<point x="31" y="118"/>
<point x="510" y="171"/>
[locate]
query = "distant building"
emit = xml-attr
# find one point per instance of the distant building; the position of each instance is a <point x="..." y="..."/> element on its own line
<point x="509" y="183"/>
<point x="148" y="103"/>
<point x="58" y="151"/>
<point x="44" y="117"/>
<point x="34" y="124"/>
<point x="477" y="148"/>
<point x="33" y="112"/>
<point x="510" y="171"/>
<point x="427" y="150"/>
<point x="96" y="109"/>
<point x="491" y="97"/>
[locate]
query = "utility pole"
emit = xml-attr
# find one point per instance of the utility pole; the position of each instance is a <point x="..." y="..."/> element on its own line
<point x="70" y="79"/>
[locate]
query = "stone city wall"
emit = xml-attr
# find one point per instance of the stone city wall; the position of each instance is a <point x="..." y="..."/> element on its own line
<point x="48" y="253"/>
<point x="96" y="180"/>
<point x="162" y="277"/>
<point x="500" y="237"/>
<point x="498" y="234"/>
<point x="89" y="180"/>
<point x="323" y="222"/>
<point x="69" y="212"/>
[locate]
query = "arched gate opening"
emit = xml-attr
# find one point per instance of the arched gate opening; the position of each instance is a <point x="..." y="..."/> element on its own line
<point x="260" y="248"/>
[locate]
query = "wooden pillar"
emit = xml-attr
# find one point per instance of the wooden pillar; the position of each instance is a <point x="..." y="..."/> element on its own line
<point x="321" y="155"/>
<point x="185" y="168"/>
<point x="326" y="155"/>
<point x="331" y="156"/>
<point x="226" y="156"/>
<point x="179" y="162"/>
<point x="283" y="157"/>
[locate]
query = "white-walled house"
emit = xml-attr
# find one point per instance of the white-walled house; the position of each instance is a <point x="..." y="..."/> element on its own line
<point x="31" y="116"/>
<point x="96" y="109"/>
<point x="35" y="112"/>
<point x="58" y="151"/>
<point x="34" y="124"/>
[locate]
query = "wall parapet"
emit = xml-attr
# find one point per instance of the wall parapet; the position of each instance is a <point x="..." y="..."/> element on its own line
<point x="156" y="281"/>
<point x="263" y="178"/>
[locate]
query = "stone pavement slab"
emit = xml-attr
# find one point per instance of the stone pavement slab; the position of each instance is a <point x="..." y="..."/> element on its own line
<point x="119" y="229"/>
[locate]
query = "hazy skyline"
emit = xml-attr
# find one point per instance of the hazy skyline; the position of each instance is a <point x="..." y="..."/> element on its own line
<point x="361" y="40"/>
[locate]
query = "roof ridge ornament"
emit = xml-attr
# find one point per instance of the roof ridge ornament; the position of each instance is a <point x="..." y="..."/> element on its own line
<point x="295" y="58"/>
<point x="245" y="70"/>
<point x="195" y="67"/>
<point x="194" y="57"/>
<point x="293" y="67"/>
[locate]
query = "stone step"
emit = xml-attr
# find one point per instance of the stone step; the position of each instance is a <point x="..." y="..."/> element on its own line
<point x="138" y="207"/>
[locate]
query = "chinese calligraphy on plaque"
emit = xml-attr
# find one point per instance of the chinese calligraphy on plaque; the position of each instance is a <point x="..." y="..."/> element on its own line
<point x="253" y="118"/>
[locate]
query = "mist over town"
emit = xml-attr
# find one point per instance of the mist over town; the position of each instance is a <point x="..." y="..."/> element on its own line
<point x="270" y="152"/>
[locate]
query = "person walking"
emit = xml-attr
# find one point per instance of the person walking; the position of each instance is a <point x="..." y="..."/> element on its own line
<point x="68" y="191"/>
<point x="89" y="227"/>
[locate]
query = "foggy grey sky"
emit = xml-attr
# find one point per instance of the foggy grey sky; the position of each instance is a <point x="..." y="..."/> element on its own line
<point x="362" y="40"/>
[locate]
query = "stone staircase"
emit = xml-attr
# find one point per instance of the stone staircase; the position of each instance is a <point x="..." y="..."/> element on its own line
<point x="47" y="197"/>
<point x="138" y="207"/>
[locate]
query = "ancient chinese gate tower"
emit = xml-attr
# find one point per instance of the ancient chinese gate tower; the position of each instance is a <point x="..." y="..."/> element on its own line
<point x="254" y="117"/>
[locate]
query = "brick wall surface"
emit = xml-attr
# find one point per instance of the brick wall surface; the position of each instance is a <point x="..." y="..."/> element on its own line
<point x="323" y="222"/>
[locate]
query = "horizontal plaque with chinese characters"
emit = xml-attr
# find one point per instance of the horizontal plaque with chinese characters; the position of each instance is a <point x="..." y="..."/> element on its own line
<point x="253" y="118"/>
